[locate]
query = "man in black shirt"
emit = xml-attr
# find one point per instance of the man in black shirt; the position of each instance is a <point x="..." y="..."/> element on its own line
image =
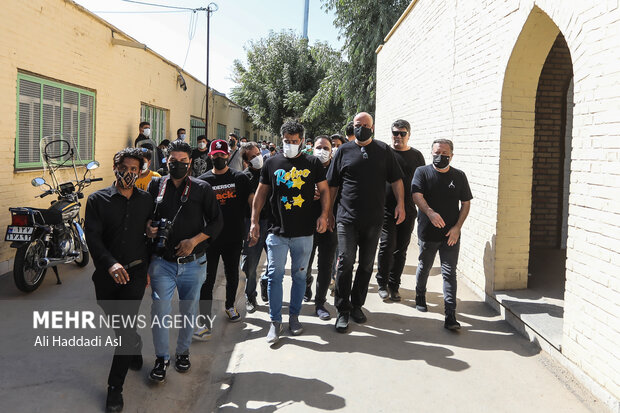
<point x="251" y="155"/>
<point x="201" y="162"/>
<point x="190" y="206"/>
<point x="437" y="191"/>
<point x="144" y="133"/>
<point x="232" y="190"/>
<point x="357" y="174"/>
<point x="116" y="218"/>
<point x="395" y="238"/>
<point x="326" y="242"/>
<point x="291" y="177"/>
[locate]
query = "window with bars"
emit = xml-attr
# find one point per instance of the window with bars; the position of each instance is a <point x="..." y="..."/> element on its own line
<point x="46" y="107"/>
<point x="221" y="131"/>
<point x="238" y="132"/>
<point x="197" y="128"/>
<point x="158" y="118"/>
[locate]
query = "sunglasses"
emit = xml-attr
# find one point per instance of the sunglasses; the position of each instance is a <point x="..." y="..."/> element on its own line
<point x="401" y="133"/>
<point x="364" y="153"/>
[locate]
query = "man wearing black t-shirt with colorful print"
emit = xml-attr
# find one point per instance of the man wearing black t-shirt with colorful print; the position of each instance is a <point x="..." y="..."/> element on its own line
<point x="437" y="191"/>
<point x="357" y="177"/>
<point x="395" y="238"/>
<point x="290" y="178"/>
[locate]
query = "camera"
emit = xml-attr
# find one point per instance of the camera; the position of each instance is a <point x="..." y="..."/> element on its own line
<point x="163" y="233"/>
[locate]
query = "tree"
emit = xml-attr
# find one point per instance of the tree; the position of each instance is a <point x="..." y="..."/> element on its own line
<point x="363" y="24"/>
<point x="282" y="76"/>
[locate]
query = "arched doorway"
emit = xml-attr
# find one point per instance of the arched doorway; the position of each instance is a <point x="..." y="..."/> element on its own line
<point x="533" y="192"/>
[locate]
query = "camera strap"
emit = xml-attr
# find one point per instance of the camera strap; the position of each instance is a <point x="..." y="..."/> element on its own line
<point x="162" y="192"/>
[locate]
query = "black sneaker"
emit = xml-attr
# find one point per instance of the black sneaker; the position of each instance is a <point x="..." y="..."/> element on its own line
<point x="250" y="304"/>
<point x="383" y="292"/>
<point x="308" y="293"/>
<point x="158" y="374"/>
<point x="182" y="364"/>
<point x="342" y="322"/>
<point x="394" y="295"/>
<point x="263" y="290"/>
<point x="114" y="401"/>
<point x="420" y="303"/>
<point x="358" y="315"/>
<point x="451" y="323"/>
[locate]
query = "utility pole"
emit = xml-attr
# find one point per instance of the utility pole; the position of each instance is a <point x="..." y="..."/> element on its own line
<point x="306" y="10"/>
<point x="211" y="8"/>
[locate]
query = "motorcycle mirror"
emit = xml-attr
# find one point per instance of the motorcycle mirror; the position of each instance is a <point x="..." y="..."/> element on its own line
<point x="38" y="182"/>
<point x="92" y="165"/>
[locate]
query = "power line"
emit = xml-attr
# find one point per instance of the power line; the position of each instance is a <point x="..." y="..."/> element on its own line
<point x="191" y="32"/>
<point x="163" y="5"/>
<point x="144" y="12"/>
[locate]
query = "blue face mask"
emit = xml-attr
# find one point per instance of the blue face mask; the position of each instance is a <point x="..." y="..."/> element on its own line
<point x="182" y="136"/>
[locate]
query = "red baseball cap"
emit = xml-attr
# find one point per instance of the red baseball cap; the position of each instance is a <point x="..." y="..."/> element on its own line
<point x="219" y="146"/>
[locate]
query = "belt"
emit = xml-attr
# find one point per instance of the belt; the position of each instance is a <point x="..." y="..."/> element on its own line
<point x="133" y="264"/>
<point x="185" y="260"/>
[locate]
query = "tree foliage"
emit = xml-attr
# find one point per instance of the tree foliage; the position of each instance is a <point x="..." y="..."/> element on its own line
<point x="282" y="75"/>
<point x="363" y="24"/>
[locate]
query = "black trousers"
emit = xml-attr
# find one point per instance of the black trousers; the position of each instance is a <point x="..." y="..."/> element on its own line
<point x="123" y="300"/>
<point x="393" y="246"/>
<point x="326" y="243"/>
<point x="230" y="251"/>
<point x="350" y="237"/>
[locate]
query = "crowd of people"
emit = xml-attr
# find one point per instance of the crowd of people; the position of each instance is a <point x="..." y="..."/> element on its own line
<point x="174" y="210"/>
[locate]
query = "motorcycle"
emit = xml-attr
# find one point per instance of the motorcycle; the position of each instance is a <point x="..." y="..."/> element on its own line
<point x="45" y="238"/>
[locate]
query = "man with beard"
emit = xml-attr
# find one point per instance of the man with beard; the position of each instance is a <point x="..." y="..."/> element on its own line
<point x="116" y="218"/>
<point x="192" y="217"/>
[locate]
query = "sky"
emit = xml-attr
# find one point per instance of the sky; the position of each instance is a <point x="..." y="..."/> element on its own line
<point x="232" y="26"/>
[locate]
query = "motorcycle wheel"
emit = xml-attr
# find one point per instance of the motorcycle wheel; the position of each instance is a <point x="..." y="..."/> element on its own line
<point x="27" y="274"/>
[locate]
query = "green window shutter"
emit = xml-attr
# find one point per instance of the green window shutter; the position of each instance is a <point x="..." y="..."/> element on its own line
<point x="47" y="108"/>
<point x="158" y="118"/>
<point x="221" y="131"/>
<point x="197" y="128"/>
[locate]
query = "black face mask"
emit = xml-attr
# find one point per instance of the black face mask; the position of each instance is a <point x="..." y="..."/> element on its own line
<point x="178" y="169"/>
<point x="441" y="161"/>
<point x="219" y="163"/>
<point x="232" y="143"/>
<point x="362" y="133"/>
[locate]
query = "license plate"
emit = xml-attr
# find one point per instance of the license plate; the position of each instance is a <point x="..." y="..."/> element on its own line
<point x="14" y="233"/>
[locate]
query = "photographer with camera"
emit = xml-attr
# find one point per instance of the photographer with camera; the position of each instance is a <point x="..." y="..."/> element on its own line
<point x="186" y="214"/>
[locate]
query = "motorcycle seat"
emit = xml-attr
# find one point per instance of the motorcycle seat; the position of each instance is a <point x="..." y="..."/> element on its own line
<point x="50" y="216"/>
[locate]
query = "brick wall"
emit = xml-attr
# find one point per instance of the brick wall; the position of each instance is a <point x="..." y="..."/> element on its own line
<point x="549" y="133"/>
<point x="453" y="67"/>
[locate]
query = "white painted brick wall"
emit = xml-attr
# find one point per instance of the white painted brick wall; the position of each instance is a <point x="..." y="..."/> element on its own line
<point x="443" y="70"/>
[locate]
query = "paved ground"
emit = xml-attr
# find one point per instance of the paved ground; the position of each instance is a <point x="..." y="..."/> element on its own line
<point x="399" y="361"/>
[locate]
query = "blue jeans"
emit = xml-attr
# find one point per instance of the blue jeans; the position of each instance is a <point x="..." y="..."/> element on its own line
<point x="277" y="249"/>
<point x="251" y="256"/>
<point x="187" y="279"/>
<point x="449" y="256"/>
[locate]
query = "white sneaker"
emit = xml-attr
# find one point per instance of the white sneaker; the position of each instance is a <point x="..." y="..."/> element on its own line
<point x="274" y="332"/>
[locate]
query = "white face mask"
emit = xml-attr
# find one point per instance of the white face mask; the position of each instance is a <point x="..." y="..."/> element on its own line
<point x="147" y="132"/>
<point x="182" y="136"/>
<point x="202" y="145"/>
<point x="334" y="151"/>
<point x="145" y="167"/>
<point x="322" y="154"/>
<point x="264" y="146"/>
<point x="257" y="162"/>
<point x="290" y="150"/>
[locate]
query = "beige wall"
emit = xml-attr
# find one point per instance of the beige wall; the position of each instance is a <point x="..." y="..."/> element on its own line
<point x="60" y="40"/>
<point x="468" y="71"/>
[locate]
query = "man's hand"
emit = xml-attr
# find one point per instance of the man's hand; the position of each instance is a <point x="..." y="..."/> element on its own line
<point x="254" y="234"/>
<point x="321" y="224"/>
<point x="331" y="222"/>
<point x="185" y="247"/>
<point x="399" y="213"/>
<point x="453" y="235"/>
<point x="436" y="219"/>
<point x="151" y="232"/>
<point x="118" y="274"/>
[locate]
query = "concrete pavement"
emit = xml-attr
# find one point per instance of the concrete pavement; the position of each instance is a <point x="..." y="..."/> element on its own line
<point x="401" y="360"/>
